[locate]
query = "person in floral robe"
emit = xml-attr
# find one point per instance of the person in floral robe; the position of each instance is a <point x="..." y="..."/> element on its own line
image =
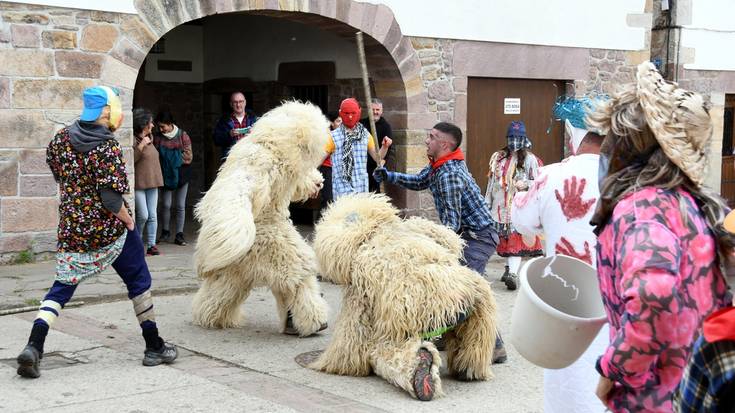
<point x="659" y="233"/>
<point x="512" y="169"/>
<point x="96" y="228"/>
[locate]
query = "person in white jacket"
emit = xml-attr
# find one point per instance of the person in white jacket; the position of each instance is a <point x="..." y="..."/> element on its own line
<point x="559" y="206"/>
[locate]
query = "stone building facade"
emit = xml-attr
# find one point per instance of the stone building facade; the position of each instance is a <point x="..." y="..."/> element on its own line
<point x="672" y="57"/>
<point x="48" y="55"/>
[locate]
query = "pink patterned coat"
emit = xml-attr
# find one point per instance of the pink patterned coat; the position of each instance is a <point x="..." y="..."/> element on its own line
<point x="659" y="279"/>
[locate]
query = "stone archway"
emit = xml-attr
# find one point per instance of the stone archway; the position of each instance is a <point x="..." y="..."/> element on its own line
<point x="50" y="54"/>
<point x="394" y="65"/>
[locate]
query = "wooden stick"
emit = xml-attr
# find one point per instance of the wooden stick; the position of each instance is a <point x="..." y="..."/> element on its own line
<point x="366" y="86"/>
<point x="35" y="307"/>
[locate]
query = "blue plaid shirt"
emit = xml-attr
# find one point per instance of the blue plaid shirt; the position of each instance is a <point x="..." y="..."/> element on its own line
<point x="708" y="384"/>
<point x="456" y="195"/>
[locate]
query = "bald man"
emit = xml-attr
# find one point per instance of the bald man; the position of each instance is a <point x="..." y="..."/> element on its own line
<point x="234" y="127"/>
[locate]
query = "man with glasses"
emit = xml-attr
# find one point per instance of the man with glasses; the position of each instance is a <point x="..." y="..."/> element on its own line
<point x="382" y="129"/>
<point x="457" y="199"/>
<point x="231" y="129"/>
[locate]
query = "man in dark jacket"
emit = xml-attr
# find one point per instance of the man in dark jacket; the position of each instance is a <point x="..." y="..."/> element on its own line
<point x="382" y="129"/>
<point x="231" y="129"/>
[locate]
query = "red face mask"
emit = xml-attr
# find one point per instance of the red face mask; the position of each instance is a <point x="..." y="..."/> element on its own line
<point x="349" y="111"/>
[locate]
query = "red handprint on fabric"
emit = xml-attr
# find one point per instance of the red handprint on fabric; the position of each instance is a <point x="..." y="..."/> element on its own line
<point x="564" y="247"/>
<point x="572" y="204"/>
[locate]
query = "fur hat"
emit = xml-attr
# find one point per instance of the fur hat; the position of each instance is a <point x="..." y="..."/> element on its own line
<point x="678" y="118"/>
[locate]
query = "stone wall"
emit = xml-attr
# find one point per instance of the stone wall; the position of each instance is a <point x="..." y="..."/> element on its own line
<point x="441" y="89"/>
<point x="607" y="68"/>
<point x="47" y="57"/>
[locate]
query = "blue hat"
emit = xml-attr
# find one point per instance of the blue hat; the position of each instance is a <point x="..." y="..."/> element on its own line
<point x="516" y="128"/>
<point x="95" y="99"/>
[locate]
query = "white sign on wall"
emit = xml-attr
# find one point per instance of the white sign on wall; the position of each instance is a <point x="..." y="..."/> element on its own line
<point x="512" y="106"/>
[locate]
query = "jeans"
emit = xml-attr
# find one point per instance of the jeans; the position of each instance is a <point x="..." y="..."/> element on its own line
<point x="146" y="205"/>
<point x="179" y="196"/>
<point x="326" y="195"/>
<point x="479" y="247"/>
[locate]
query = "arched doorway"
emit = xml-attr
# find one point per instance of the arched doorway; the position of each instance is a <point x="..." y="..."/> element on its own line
<point x="271" y="55"/>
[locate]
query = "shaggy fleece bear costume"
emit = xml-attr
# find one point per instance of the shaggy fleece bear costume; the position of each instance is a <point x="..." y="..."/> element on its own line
<point x="247" y="239"/>
<point x="402" y="279"/>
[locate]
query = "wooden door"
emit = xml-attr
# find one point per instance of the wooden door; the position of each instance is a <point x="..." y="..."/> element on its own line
<point x="727" y="183"/>
<point x="487" y="124"/>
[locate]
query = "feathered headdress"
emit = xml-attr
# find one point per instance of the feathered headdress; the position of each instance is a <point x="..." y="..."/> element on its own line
<point x="573" y="111"/>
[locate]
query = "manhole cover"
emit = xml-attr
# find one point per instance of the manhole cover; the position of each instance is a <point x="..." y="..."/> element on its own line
<point x="50" y="361"/>
<point x="304" y="359"/>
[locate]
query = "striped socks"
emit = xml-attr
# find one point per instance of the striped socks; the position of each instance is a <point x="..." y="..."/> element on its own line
<point x="48" y="312"/>
<point x="143" y="306"/>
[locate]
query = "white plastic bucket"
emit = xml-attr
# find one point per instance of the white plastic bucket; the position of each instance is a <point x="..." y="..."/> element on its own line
<point x="557" y="313"/>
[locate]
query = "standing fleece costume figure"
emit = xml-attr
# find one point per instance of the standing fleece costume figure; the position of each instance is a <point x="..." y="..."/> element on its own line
<point x="247" y="239"/>
<point x="403" y="283"/>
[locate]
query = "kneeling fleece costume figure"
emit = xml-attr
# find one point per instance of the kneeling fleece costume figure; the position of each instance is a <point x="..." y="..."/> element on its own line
<point x="246" y="238"/>
<point x="403" y="283"/>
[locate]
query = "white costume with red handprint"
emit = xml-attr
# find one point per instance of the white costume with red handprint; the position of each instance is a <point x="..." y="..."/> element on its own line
<point x="559" y="205"/>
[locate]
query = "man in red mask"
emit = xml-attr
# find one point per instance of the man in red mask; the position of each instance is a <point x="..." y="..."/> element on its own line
<point x="348" y="147"/>
<point x="457" y="198"/>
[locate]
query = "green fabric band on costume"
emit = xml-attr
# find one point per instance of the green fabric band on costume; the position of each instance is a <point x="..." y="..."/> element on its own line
<point x="441" y="330"/>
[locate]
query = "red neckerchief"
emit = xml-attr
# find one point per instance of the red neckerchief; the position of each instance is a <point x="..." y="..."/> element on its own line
<point x="456" y="155"/>
<point x="720" y="325"/>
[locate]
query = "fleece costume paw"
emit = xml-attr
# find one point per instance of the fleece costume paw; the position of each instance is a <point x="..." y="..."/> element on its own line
<point x="247" y="239"/>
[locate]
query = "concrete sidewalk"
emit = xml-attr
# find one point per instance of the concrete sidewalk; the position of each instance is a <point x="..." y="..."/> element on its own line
<point x="24" y="285"/>
<point x="93" y="356"/>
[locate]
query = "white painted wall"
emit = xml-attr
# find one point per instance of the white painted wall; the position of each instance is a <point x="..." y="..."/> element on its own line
<point x="575" y="23"/>
<point x="182" y="43"/>
<point x="711" y="34"/>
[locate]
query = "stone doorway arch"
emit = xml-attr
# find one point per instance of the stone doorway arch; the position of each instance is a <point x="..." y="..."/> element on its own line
<point x="394" y="66"/>
<point x="56" y="52"/>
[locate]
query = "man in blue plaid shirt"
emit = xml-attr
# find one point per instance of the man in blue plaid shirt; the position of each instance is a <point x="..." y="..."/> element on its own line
<point x="457" y="198"/>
